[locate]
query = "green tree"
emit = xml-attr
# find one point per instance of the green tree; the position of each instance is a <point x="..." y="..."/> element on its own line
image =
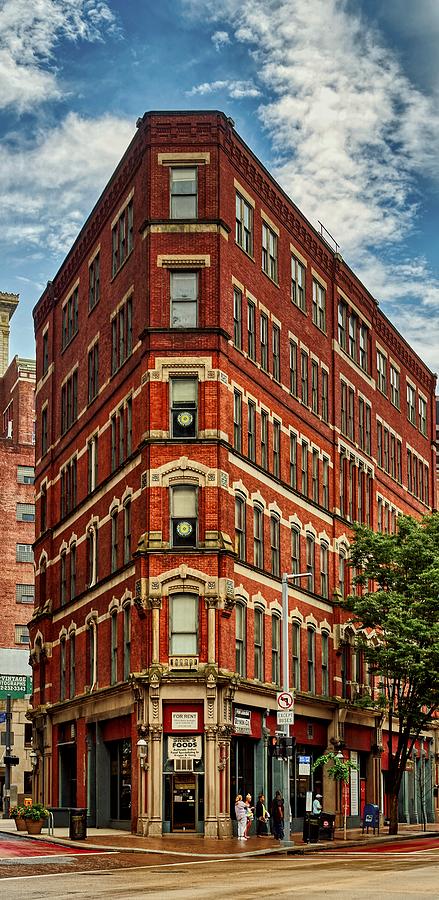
<point x="403" y="611"/>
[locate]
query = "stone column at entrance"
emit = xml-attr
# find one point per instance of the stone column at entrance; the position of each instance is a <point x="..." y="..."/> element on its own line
<point x="210" y="822"/>
<point x="155" y="782"/>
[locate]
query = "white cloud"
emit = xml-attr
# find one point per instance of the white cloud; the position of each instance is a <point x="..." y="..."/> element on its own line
<point x="29" y="32"/>
<point x="47" y="190"/>
<point x="349" y="130"/>
<point x="220" y="39"/>
<point x="235" y="89"/>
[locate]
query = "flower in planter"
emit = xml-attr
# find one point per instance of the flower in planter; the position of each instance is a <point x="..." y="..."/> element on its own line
<point x="17" y="812"/>
<point x="36" y="812"/>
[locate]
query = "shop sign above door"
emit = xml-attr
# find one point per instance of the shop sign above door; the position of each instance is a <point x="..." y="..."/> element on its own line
<point x="182" y="747"/>
<point x="184" y="721"/>
<point x="242" y="723"/>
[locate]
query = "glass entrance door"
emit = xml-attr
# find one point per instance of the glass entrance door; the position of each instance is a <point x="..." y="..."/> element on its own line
<point x="184" y="802"/>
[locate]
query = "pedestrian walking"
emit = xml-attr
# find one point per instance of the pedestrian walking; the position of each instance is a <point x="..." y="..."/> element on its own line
<point x="241" y="817"/>
<point x="249" y="813"/>
<point x="262" y="816"/>
<point x="277" y="815"/>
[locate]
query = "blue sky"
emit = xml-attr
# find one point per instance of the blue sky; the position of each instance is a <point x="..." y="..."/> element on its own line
<point x="339" y="98"/>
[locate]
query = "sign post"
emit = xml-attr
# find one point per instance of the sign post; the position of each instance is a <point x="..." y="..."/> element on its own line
<point x="7" y="796"/>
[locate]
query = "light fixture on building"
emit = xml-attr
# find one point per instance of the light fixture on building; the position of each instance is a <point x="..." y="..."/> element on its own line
<point x="142" y="751"/>
<point x="34" y="758"/>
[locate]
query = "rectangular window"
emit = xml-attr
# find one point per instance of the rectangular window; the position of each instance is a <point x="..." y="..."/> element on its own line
<point x="259" y="644"/>
<point x="264" y="439"/>
<point x="422" y="415"/>
<point x="184" y="199"/>
<point x="399" y="461"/>
<point x="276" y="448"/>
<point x="69" y="402"/>
<point x="315" y="387"/>
<point x="113" y="675"/>
<point x="304" y="471"/>
<point x="311" y="643"/>
<point x="69" y="319"/>
<point x="380" y="444"/>
<point x="184" y="299"/>
<point x="62" y="670"/>
<point x="342" y="318"/>
<point x="45" y="365"/>
<point x="126" y="642"/>
<point x="319" y="305"/>
<point x="127" y="532"/>
<point x="240" y="528"/>
<point x="394" y="387"/>
<point x="183" y="624"/>
<point x="325" y="664"/>
<point x="293" y="368"/>
<point x="43" y="508"/>
<point x="93" y="372"/>
<point x="293" y="460"/>
<point x="325" y="482"/>
<point x="25" y="512"/>
<point x="325" y="411"/>
<point x="344" y="408"/>
<point x="409" y="471"/>
<point x="298" y="283"/>
<point x="363" y="347"/>
<point x="237" y="318"/>
<point x="368" y="430"/>
<point x="381" y="372"/>
<point x="353" y="336"/>
<point x="184" y="407"/>
<point x="264" y="342"/>
<point x="92" y="463"/>
<point x="251" y="330"/>
<point x="315" y="475"/>
<point x="122" y="237"/>
<point x="244" y="224"/>
<point x="68" y="487"/>
<point x="304" y="377"/>
<point x="114" y="541"/>
<point x="251" y="431"/>
<point x="21" y="634"/>
<point x="24" y="593"/>
<point x="258" y="537"/>
<point x="386" y="450"/>
<point x="275" y="649"/>
<point x="275" y="545"/>
<point x="122" y="335"/>
<point x="72" y="664"/>
<point x="44" y="431"/>
<point x="296" y="656"/>
<point x="276" y="352"/>
<point x="94" y="282"/>
<point x="351" y="414"/>
<point x="63" y="578"/>
<point x="393" y="456"/>
<point x="25" y="475"/>
<point x="184" y="516"/>
<point x="361" y="423"/>
<point x="324" y="586"/>
<point x="72" y="571"/>
<point x="411" y="399"/>
<point x="240" y="639"/>
<point x="269" y="252"/>
<point x="237" y="421"/>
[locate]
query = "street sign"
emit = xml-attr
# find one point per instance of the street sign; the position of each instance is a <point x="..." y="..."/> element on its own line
<point x="3" y="740"/>
<point x="11" y="760"/>
<point x="2" y="718"/>
<point x="285" y="700"/>
<point x="285" y="717"/>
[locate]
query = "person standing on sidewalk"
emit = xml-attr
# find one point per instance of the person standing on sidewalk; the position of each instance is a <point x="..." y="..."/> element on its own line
<point x="249" y="813"/>
<point x="317" y="806"/>
<point x="261" y="817"/>
<point x="241" y="816"/>
<point x="277" y="816"/>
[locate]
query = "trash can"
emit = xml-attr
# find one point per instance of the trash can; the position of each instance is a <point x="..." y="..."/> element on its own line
<point x="78" y="824"/>
<point x="327" y="826"/>
<point x="314" y="828"/>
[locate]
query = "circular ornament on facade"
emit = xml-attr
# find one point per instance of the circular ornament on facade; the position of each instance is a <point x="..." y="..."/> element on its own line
<point x="185" y="419"/>
<point x="184" y="529"/>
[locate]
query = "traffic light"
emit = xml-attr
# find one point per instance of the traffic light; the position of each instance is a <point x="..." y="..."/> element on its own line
<point x="273" y="747"/>
<point x="281" y="747"/>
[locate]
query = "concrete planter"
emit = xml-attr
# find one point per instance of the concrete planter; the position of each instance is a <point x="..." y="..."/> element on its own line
<point x="20" y="823"/>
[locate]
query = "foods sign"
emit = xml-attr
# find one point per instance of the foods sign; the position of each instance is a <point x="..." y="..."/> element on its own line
<point x="184" y="747"/>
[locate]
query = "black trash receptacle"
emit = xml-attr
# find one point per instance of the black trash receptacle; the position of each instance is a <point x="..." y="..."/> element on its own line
<point x="78" y="824"/>
<point x="314" y="827"/>
<point x="327" y="826"/>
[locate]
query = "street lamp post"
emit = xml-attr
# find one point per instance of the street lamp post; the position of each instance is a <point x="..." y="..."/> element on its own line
<point x="286" y="577"/>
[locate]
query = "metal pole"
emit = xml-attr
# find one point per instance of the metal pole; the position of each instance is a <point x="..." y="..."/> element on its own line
<point x="286" y="687"/>
<point x="7" y="796"/>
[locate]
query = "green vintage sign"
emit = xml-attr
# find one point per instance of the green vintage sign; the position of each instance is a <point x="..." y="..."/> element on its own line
<point x="15" y="685"/>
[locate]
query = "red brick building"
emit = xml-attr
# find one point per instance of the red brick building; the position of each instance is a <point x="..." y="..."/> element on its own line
<point x="218" y="398"/>
<point x="17" y="459"/>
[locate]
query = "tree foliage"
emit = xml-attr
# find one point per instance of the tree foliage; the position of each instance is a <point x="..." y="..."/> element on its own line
<point x="396" y="613"/>
<point x="339" y="770"/>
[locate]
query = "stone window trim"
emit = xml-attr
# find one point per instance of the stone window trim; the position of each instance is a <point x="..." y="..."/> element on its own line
<point x="183" y="261"/>
<point x="181" y="160"/>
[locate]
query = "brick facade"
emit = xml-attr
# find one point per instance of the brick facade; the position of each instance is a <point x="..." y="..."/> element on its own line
<point x="162" y="305"/>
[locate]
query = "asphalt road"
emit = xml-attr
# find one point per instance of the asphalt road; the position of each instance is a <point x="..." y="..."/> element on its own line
<point x="401" y="873"/>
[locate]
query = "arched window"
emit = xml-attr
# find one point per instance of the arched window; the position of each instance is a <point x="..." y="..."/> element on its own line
<point x="324" y="586"/>
<point x="240" y="528"/>
<point x="258" y="536"/>
<point x="72" y="570"/>
<point x="62" y="669"/>
<point x="72" y="664"/>
<point x="63" y="578"/>
<point x="259" y="643"/>
<point x="275" y="545"/>
<point x="126" y="642"/>
<point x="296" y="645"/>
<point x="92" y="555"/>
<point x="127" y="531"/>
<point x="295" y="550"/>
<point x="240" y="613"/>
<point x="310" y="563"/>
<point x="183" y="624"/>
<point x="114" y="541"/>
<point x="275" y="649"/>
<point x="311" y="644"/>
<point x="342" y="571"/>
<point x="43" y="581"/>
<point x="113" y="660"/>
<point x="325" y="663"/>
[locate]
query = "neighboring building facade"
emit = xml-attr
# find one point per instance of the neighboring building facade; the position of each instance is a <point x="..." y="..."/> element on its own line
<point x="218" y="399"/>
<point x="17" y="505"/>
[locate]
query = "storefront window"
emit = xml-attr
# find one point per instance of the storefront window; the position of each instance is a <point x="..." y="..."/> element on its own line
<point x="120" y="779"/>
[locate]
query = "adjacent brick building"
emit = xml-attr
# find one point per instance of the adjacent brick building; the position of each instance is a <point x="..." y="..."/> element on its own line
<point x="218" y="399"/>
<point x="17" y="505"/>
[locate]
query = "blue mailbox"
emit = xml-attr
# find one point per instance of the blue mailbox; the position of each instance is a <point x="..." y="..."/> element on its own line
<point x="371" y="817"/>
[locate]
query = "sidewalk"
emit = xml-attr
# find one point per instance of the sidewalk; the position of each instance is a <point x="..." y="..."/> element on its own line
<point x="189" y="845"/>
